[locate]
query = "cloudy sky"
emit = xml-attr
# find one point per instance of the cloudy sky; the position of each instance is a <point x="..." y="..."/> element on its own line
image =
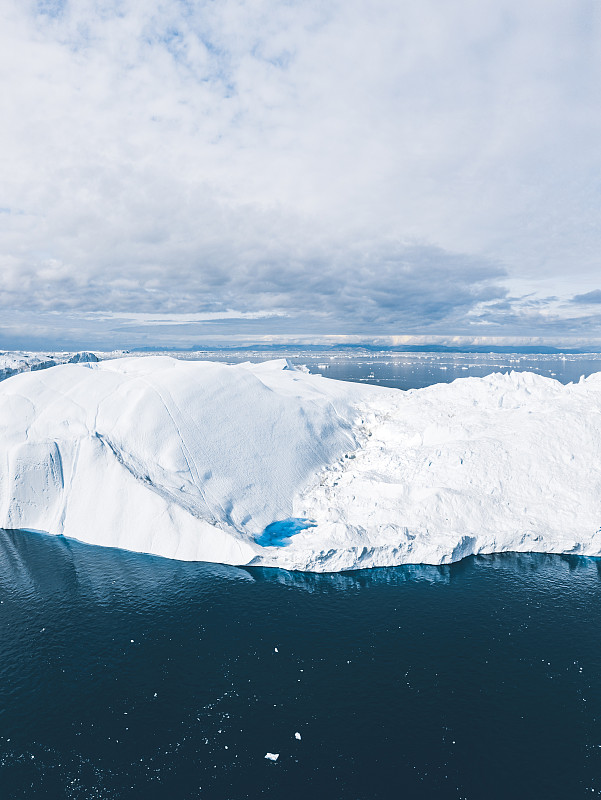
<point x="175" y="172"/>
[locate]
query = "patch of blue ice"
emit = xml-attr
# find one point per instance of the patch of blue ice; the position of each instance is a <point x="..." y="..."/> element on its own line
<point x="277" y="534"/>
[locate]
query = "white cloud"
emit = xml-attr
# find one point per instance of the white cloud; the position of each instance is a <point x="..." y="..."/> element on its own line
<point x="139" y="318"/>
<point x="344" y="163"/>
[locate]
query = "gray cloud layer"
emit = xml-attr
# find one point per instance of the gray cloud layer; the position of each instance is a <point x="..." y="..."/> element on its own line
<point x="311" y="167"/>
<point x="588" y="297"/>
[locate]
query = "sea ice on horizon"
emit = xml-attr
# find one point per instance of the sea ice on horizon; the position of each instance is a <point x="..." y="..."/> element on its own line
<point x="262" y="464"/>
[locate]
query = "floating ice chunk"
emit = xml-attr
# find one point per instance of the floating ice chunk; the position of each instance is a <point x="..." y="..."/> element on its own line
<point x="272" y="756"/>
<point x="297" y="736"/>
<point x="12" y="363"/>
<point x="80" y="358"/>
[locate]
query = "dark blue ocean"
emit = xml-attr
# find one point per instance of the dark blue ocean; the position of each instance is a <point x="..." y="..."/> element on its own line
<point x="131" y="676"/>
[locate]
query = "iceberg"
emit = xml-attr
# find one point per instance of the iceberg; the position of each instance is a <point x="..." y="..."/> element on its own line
<point x="12" y="363"/>
<point x="266" y="465"/>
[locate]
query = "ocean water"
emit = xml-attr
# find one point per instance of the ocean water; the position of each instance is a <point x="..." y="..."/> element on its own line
<point x="416" y="370"/>
<point x="130" y="676"/>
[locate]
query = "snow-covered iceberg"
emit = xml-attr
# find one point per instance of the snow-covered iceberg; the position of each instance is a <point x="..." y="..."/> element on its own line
<point x="266" y="465"/>
<point x="11" y="363"/>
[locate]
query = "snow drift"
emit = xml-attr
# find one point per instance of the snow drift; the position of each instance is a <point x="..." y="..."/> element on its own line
<point x="264" y="464"/>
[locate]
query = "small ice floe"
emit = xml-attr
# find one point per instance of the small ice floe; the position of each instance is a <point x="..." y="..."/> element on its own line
<point x="275" y="650"/>
<point x="272" y="756"/>
<point x="297" y="736"/>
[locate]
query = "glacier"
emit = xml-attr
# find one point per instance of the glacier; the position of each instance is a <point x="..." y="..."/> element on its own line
<point x="264" y="464"/>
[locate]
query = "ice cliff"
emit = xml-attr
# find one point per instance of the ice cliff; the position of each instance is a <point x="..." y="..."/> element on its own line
<point x="263" y="464"/>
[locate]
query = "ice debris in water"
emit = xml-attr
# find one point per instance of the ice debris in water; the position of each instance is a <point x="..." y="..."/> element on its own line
<point x="272" y="756"/>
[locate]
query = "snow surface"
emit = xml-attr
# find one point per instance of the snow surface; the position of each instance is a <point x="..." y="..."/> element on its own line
<point x="262" y="464"/>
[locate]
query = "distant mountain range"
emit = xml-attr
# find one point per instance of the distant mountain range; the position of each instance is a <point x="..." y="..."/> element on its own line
<point x="372" y="348"/>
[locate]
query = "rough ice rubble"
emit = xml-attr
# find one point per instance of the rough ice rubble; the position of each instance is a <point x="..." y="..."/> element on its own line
<point x="510" y="462"/>
<point x="194" y="460"/>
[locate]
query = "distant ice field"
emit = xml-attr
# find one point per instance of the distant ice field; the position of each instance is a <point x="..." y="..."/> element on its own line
<point x="395" y="370"/>
<point x="415" y="370"/>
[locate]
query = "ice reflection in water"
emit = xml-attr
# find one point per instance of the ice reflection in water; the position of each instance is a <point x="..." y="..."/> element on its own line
<point x="119" y="670"/>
